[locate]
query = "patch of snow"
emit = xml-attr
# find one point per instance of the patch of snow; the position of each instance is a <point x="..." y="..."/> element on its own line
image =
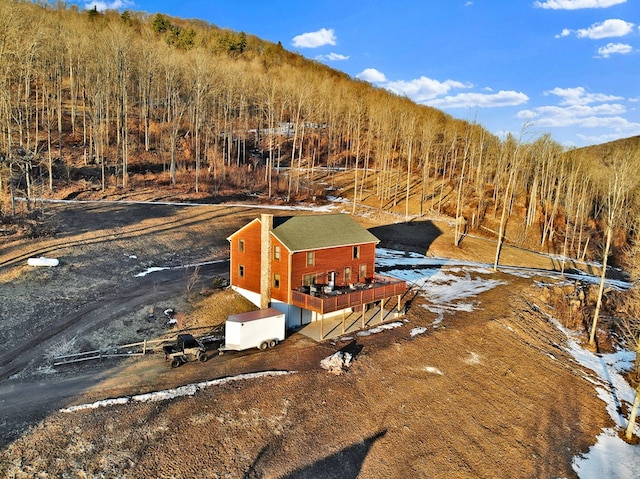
<point x="379" y="329"/>
<point x="609" y="457"/>
<point x="153" y="269"/>
<point x="337" y="363"/>
<point x="166" y="394"/>
<point x="186" y="266"/>
<point x="473" y="358"/>
<point x="433" y="370"/>
<point x="417" y="331"/>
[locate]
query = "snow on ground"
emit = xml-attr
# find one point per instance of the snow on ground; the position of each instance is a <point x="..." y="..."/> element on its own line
<point x="452" y="286"/>
<point x="610" y="456"/>
<point x="449" y="286"/>
<point x="187" y="390"/>
<point x="154" y="269"/>
<point x="379" y="329"/>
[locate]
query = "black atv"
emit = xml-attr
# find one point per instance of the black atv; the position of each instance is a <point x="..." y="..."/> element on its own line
<point x="186" y="348"/>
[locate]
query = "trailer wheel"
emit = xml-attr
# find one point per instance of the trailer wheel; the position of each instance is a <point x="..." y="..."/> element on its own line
<point x="203" y="357"/>
<point x="272" y="343"/>
<point x="263" y="345"/>
<point x="175" y="362"/>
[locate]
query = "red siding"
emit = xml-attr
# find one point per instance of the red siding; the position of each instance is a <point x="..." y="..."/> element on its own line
<point x="250" y="258"/>
<point x="280" y="267"/>
<point x="333" y="259"/>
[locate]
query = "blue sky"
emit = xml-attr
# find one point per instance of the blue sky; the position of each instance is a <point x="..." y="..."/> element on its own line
<point x="570" y="68"/>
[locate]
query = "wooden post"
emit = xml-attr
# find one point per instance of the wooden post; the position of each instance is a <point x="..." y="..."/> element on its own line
<point x="382" y="310"/>
<point x="144" y="347"/>
<point x="343" y="319"/>
<point x="363" y="313"/>
<point x="321" y="327"/>
<point x="399" y="303"/>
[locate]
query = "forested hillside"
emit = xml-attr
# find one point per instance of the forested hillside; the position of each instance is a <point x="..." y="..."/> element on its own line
<point x="98" y="102"/>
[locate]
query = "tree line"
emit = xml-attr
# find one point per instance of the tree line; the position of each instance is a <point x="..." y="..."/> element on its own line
<point x="126" y="92"/>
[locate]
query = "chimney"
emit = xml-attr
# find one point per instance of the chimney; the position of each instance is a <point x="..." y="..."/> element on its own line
<point x="265" y="260"/>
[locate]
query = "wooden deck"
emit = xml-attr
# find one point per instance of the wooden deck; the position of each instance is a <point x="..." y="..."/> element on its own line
<point x="382" y="287"/>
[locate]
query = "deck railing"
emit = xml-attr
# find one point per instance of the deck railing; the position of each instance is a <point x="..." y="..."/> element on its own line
<point x="382" y="287"/>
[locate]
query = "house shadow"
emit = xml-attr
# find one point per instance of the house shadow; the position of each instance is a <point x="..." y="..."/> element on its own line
<point x="415" y="235"/>
<point x="343" y="464"/>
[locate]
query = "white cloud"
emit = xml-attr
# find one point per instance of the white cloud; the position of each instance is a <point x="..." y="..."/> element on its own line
<point x="372" y="76"/>
<point x="577" y="4"/>
<point x="332" y="57"/>
<point x="614" y="48"/>
<point x="578" y="108"/>
<point x="609" y="28"/>
<point x="431" y="92"/>
<point x="315" y="39"/>
<point x="599" y="139"/>
<point x="576" y="115"/>
<point x="481" y="100"/>
<point x="424" y="89"/>
<point x="579" y="96"/>
<point x="113" y="5"/>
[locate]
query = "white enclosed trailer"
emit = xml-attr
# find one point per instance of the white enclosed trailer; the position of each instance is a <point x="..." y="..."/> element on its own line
<point x="260" y="329"/>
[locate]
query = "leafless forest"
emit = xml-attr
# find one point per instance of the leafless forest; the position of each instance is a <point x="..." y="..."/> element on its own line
<point x="92" y="103"/>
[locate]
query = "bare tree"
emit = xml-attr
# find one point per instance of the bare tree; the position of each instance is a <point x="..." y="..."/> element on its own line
<point x="620" y="180"/>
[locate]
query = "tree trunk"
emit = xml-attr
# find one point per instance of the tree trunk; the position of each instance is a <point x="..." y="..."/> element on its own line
<point x="596" y="313"/>
<point x="632" y="415"/>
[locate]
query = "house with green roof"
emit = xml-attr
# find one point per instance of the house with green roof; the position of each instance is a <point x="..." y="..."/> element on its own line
<point x="308" y="266"/>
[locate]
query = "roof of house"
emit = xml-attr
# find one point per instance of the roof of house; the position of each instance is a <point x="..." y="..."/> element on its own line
<point x="309" y="232"/>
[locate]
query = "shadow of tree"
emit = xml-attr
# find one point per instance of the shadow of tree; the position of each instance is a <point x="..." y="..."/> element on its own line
<point x="344" y="464"/>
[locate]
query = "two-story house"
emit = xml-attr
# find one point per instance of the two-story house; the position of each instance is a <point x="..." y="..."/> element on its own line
<point x="308" y="266"/>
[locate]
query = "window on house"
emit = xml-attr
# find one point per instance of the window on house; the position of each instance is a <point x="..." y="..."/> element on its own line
<point x="241" y="245"/>
<point x="363" y="271"/>
<point x="356" y="252"/>
<point x="241" y="270"/>
<point x="347" y="275"/>
<point x="309" y="279"/>
<point x="276" y="252"/>
<point x="276" y="280"/>
<point x="311" y="258"/>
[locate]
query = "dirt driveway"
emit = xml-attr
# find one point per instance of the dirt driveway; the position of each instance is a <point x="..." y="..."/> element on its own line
<point x="488" y="393"/>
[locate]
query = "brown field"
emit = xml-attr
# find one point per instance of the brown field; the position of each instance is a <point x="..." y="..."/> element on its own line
<point x="490" y="393"/>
